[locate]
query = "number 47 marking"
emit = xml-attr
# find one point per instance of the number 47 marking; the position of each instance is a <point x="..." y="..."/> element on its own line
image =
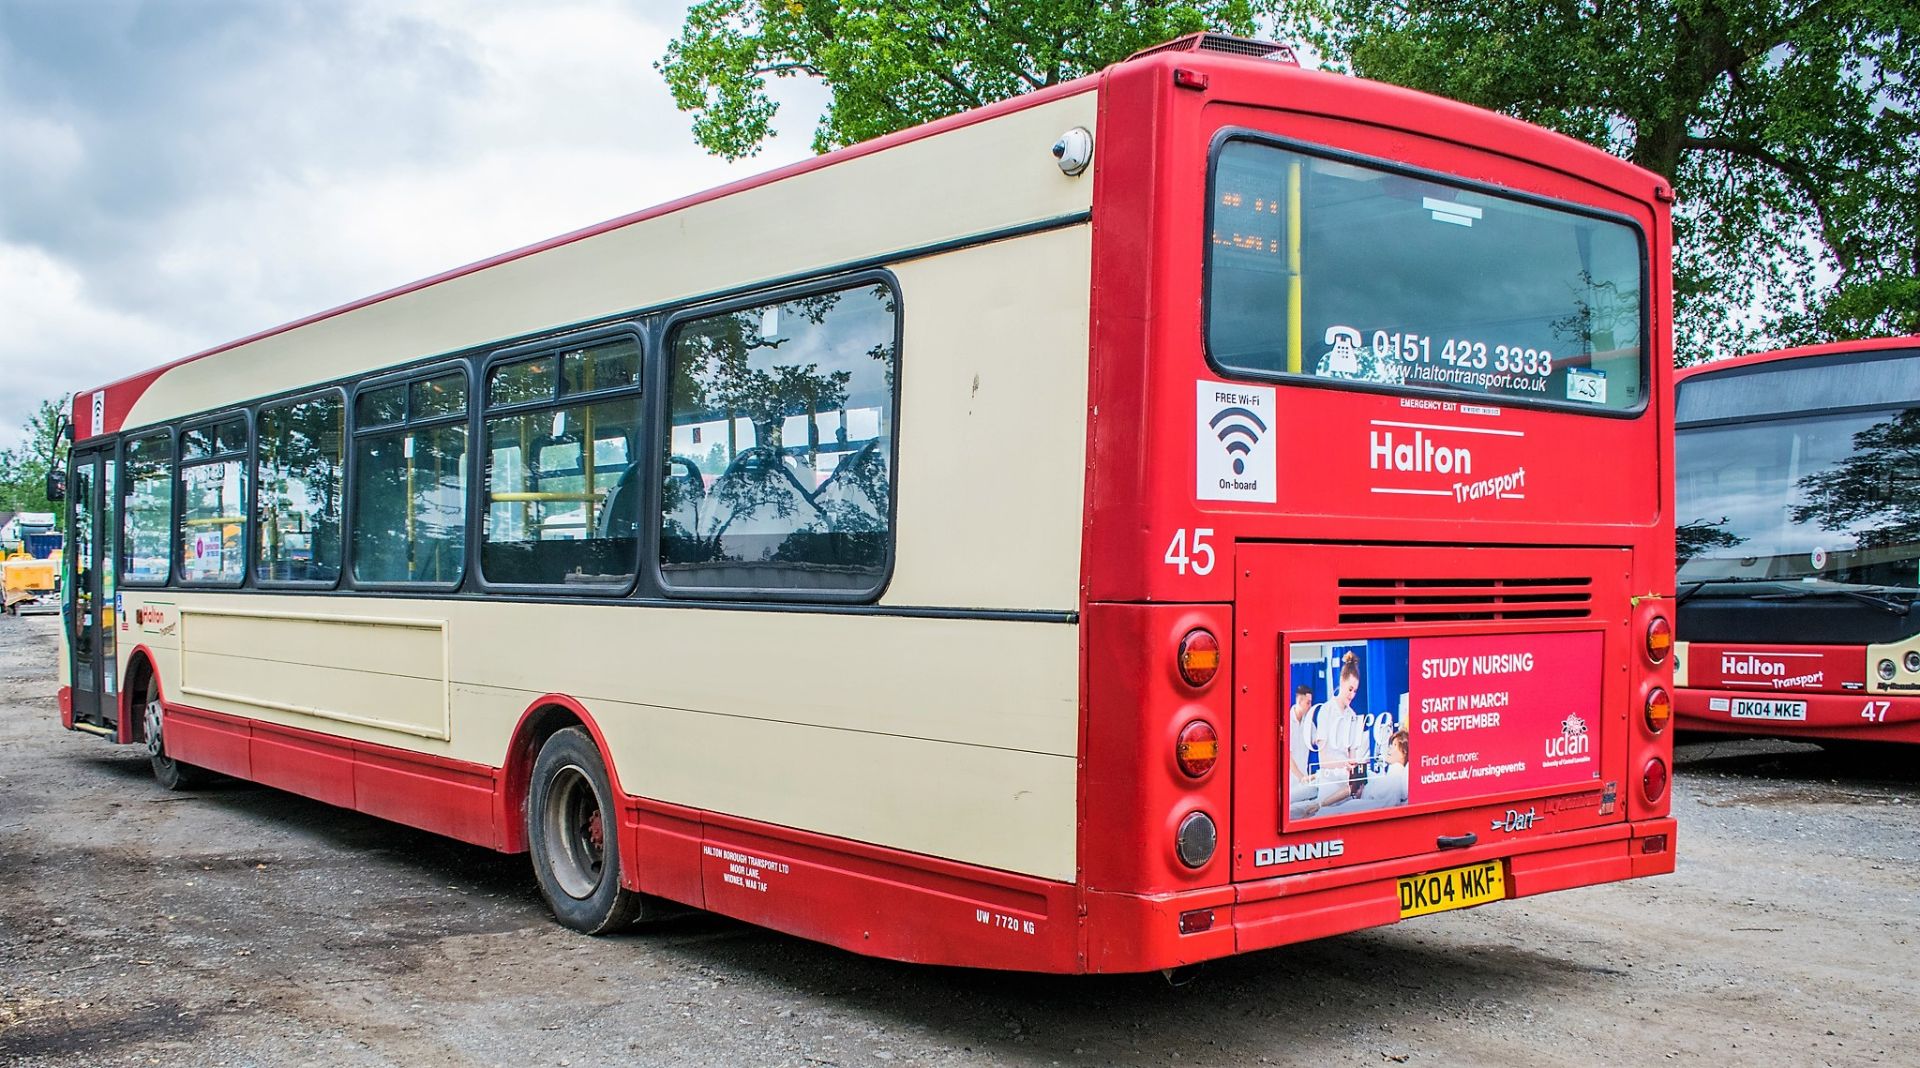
<point x="1188" y="551"/>
<point x="1876" y="711"/>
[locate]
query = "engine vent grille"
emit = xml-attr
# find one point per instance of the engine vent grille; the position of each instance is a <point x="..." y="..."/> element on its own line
<point x="1220" y="42"/>
<point x="1389" y="600"/>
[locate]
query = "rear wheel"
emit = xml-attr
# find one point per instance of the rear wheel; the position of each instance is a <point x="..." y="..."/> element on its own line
<point x="172" y="774"/>
<point x="571" y="829"/>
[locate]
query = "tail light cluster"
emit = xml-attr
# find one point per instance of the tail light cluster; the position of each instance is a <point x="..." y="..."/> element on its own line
<point x="1656" y="711"/>
<point x="1197" y="748"/>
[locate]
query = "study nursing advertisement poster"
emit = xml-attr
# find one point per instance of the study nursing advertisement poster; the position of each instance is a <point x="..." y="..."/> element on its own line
<point x="1389" y="722"/>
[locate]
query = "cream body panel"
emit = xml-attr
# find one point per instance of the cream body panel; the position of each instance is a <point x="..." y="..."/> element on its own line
<point x="389" y="674"/>
<point x="986" y="176"/>
<point x="955" y="738"/>
<point x="993" y="424"/>
<point x="1000" y="808"/>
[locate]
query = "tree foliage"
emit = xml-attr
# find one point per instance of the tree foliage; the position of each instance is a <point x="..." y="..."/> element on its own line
<point x="1791" y="130"/>
<point x="23" y="468"/>
<point x="890" y="64"/>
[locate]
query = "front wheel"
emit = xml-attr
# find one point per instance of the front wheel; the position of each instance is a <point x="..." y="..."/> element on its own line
<point x="571" y="831"/>
<point x="172" y="774"/>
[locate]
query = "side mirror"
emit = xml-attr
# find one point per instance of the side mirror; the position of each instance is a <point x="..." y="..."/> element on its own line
<point x="56" y="484"/>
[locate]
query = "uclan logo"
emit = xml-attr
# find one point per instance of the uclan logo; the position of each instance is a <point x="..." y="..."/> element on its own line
<point x="1573" y="741"/>
<point x="1748" y="664"/>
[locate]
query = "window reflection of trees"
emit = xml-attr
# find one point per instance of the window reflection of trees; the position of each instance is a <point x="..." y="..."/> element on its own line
<point x="1702" y="537"/>
<point x="410" y="513"/>
<point x="301" y="453"/>
<point x="821" y="504"/>
<point x="1875" y="494"/>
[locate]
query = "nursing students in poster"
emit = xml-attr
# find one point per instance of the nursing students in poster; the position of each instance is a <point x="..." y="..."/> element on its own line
<point x="1347" y="743"/>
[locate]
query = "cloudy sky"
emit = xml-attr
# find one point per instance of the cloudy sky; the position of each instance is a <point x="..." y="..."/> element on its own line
<point x="179" y="173"/>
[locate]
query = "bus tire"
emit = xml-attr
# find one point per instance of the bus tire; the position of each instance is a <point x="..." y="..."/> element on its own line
<point x="170" y="773"/>
<point x="572" y="832"/>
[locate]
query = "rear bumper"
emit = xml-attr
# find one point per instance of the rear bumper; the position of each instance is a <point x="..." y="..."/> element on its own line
<point x="1134" y="934"/>
<point x="1833" y="716"/>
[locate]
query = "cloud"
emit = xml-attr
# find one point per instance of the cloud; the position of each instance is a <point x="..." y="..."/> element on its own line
<point x="174" y="175"/>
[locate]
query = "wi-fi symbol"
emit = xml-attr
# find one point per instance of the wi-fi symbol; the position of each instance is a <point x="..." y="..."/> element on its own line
<point x="1231" y="426"/>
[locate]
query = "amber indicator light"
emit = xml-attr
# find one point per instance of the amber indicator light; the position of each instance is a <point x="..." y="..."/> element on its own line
<point x="1199" y="657"/>
<point x="1659" y="710"/>
<point x="1197" y="749"/>
<point x="1659" y="639"/>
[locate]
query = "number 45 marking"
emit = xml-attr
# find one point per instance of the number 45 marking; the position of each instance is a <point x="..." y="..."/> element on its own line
<point x="1876" y="711"/>
<point x="1188" y="551"/>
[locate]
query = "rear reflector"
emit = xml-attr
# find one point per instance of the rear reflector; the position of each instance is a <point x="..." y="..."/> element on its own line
<point x="1654" y="843"/>
<point x="1653" y="781"/>
<point x="1197" y="749"/>
<point x="1196" y="839"/>
<point x="1196" y="921"/>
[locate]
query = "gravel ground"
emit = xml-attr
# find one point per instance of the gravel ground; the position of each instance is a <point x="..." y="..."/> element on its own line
<point x="242" y="926"/>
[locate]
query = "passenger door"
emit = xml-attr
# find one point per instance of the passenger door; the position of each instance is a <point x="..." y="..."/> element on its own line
<point x="89" y="587"/>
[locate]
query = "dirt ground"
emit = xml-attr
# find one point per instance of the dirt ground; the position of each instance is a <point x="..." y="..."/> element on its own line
<point x="242" y="926"/>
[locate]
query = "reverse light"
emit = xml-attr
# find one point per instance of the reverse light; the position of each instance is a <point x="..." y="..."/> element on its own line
<point x="1199" y="657"/>
<point x="1659" y="709"/>
<point x="1196" y="840"/>
<point x="1659" y="640"/>
<point x="1913" y="660"/>
<point x="1197" y="749"/>
<point x="1886" y="670"/>
<point x="1653" y="781"/>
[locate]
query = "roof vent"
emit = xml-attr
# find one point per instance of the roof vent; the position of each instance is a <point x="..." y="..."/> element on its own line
<point x="1220" y="42"/>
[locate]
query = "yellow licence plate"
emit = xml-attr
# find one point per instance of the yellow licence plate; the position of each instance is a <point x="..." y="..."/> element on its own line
<point x="1454" y="888"/>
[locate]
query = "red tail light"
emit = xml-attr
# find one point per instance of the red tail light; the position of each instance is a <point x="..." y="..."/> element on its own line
<point x="1197" y="749"/>
<point x="1653" y="781"/>
<point x="1199" y="657"/>
<point x="1659" y="710"/>
<point x="1659" y="640"/>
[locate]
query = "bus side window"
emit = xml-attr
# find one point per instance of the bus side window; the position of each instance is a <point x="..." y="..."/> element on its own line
<point x="780" y="439"/>
<point x="213" y="501"/>
<point x="297" y="502"/>
<point x="410" y="485"/>
<point x="148" y="515"/>
<point x="562" y="499"/>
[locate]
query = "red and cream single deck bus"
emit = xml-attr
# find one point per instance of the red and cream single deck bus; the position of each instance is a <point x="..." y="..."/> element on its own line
<point x="1199" y="507"/>
<point x="1798" y="515"/>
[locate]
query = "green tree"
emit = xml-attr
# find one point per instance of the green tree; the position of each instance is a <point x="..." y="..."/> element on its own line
<point x="1790" y="128"/>
<point x="23" y="468"/>
<point x="891" y="64"/>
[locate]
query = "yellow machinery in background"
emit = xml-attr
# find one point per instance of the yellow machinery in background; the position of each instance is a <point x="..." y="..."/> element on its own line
<point x="32" y="575"/>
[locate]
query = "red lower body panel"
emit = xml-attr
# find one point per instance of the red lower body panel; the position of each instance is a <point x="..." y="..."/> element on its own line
<point x="888" y="903"/>
<point x="1829" y="716"/>
<point x="450" y="797"/>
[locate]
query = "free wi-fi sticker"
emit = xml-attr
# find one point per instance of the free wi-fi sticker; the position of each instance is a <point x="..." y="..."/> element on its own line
<point x="1234" y="454"/>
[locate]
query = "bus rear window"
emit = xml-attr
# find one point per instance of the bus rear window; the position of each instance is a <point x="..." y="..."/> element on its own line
<point x="1330" y="269"/>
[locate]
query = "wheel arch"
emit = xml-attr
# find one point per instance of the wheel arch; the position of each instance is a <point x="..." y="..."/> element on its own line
<point x="133" y="694"/>
<point x="544" y="717"/>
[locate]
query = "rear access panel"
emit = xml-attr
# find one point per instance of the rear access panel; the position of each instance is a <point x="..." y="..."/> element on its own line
<point x="1398" y="700"/>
